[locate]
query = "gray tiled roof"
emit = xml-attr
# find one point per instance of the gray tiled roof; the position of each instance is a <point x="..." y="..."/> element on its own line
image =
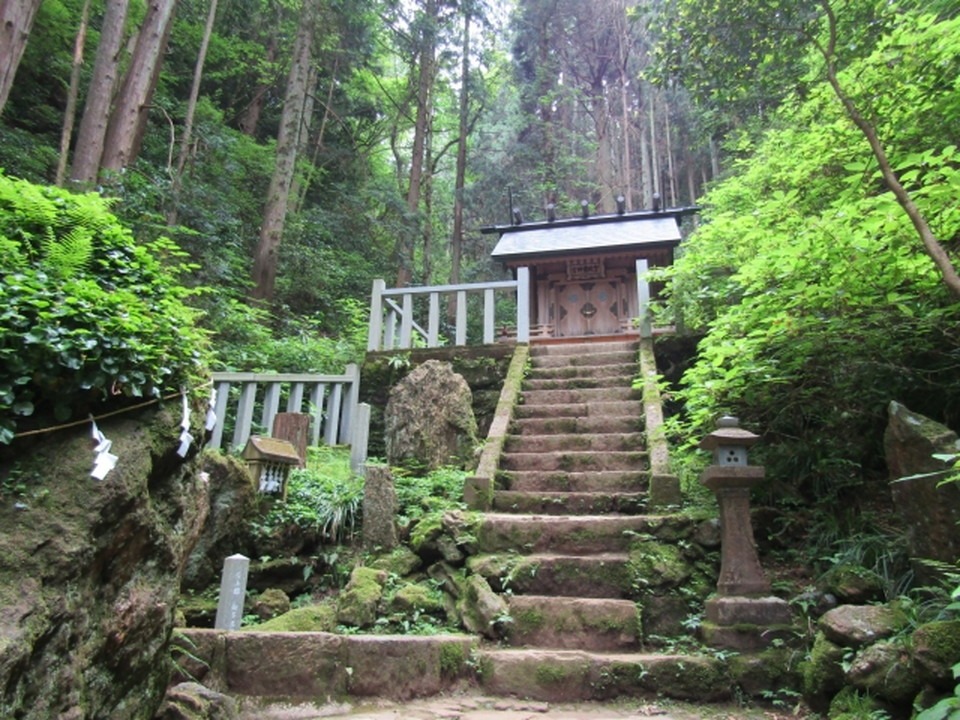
<point x="591" y="237"/>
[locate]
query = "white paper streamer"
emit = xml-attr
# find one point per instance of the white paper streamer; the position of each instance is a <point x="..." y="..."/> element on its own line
<point x="185" y="437"/>
<point x="103" y="461"/>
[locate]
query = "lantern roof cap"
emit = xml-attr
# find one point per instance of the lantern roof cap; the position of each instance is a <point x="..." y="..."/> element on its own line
<point x="728" y="432"/>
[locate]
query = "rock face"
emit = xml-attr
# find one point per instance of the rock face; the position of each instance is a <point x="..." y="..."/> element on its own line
<point x="233" y="503"/>
<point x="90" y="572"/>
<point x="930" y="512"/>
<point x="429" y="419"/>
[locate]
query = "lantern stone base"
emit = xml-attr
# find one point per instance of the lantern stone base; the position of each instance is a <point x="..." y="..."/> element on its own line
<point x="746" y="623"/>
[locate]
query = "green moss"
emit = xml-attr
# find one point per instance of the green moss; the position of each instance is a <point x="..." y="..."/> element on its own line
<point x="550" y="674"/>
<point x="528" y="619"/>
<point x="428" y="528"/>
<point x="400" y="561"/>
<point x="939" y="639"/>
<point x="311" y="618"/>
<point x="657" y="565"/>
<point x="453" y="659"/>
<point x="358" y="602"/>
<point x="418" y="598"/>
<point x="822" y="673"/>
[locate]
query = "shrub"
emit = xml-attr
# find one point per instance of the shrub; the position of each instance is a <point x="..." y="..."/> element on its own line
<point x="87" y="314"/>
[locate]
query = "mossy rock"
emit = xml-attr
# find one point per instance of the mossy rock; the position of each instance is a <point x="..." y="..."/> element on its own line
<point x="823" y="674"/>
<point x="357" y="604"/>
<point x="885" y="670"/>
<point x="849" y="704"/>
<point x="417" y="597"/>
<point x="401" y="561"/>
<point x="936" y="649"/>
<point x="321" y="617"/>
<point x="657" y="565"/>
<point x="852" y="584"/>
<point x="271" y="603"/>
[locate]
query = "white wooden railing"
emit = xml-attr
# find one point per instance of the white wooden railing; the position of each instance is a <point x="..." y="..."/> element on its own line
<point x="330" y="400"/>
<point x="393" y="324"/>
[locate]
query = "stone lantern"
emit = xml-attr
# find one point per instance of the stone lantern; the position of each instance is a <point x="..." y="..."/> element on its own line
<point x="742" y="614"/>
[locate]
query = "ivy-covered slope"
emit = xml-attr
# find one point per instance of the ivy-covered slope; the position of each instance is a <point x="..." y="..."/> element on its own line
<point x="86" y="312"/>
<point x="817" y="301"/>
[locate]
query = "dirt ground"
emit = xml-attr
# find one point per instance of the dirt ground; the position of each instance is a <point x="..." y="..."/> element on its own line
<point x="471" y="707"/>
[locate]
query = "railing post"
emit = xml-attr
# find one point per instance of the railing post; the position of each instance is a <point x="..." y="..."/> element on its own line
<point x="406" y="322"/>
<point x="316" y="411"/>
<point x="241" y="433"/>
<point x="352" y="400"/>
<point x="461" y="337"/>
<point x="334" y="406"/>
<point x="375" y="328"/>
<point x="523" y="304"/>
<point x="643" y="300"/>
<point x="360" y="438"/>
<point x="433" y="322"/>
<point x="489" y="308"/>
<point x="220" y="410"/>
<point x="271" y="405"/>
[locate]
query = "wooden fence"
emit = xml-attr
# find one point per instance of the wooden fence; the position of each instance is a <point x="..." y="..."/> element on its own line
<point x="330" y="400"/>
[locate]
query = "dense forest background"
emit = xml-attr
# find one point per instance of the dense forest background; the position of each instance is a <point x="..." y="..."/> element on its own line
<point x="296" y="150"/>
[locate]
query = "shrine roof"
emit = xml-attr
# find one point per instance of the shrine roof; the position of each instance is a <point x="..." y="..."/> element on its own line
<point x="600" y="233"/>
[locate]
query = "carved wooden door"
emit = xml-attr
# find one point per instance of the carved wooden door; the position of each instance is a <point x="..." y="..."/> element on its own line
<point x="588" y="308"/>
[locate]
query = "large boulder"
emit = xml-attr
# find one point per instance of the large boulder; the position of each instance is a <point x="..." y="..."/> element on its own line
<point x="930" y="510"/>
<point x="429" y="419"/>
<point x="90" y="571"/>
<point x="233" y="504"/>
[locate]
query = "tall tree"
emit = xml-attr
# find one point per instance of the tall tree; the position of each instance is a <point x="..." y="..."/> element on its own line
<point x="103" y="83"/>
<point x="463" y="127"/>
<point x="288" y="140"/>
<point x="713" y="34"/>
<point x="70" y="113"/>
<point x="128" y="120"/>
<point x="16" y="21"/>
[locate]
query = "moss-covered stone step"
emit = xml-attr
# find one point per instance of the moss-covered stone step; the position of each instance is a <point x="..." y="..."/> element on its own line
<point x="572" y="372"/>
<point x="602" y="575"/>
<point x="584" y="534"/>
<point x="595" y="442"/>
<point x="315" y="665"/>
<point x="579" y="396"/>
<point x="585" y="358"/>
<point x="576" y="461"/>
<point x="574" y="425"/>
<point x="572" y="676"/>
<point x="570" y="503"/>
<point x="595" y="408"/>
<point x="562" y="481"/>
<point x="580" y="381"/>
<point x="566" y="623"/>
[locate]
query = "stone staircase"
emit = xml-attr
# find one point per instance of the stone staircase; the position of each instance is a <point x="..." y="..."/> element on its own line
<point x="586" y="571"/>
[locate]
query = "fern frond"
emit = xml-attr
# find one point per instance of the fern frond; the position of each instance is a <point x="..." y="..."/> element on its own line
<point x="66" y="256"/>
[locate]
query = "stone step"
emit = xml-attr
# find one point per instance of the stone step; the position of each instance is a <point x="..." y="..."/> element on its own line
<point x="583" y="348"/>
<point x="569" y="425"/>
<point x="564" y="534"/>
<point x="570" y="503"/>
<point x="561" y="372"/>
<point x="601" y="575"/>
<point x="584" y="482"/>
<point x="576" y="461"/>
<point x="595" y="624"/>
<point x="585" y="442"/>
<point x="617" y="408"/>
<point x="580" y="676"/>
<point x="579" y="396"/>
<point x="584" y="359"/>
<point x="585" y="381"/>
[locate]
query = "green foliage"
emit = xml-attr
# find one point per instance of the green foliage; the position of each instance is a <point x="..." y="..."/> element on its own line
<point x="86" y="313"/>
<point x="818" y="303"/>
<point x="437" y="491"/>
<point x="325" y="498"/>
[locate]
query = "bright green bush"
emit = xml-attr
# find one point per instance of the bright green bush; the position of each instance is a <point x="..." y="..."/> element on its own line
<point x="817" y="302"/>
<point x="86" y="313"/>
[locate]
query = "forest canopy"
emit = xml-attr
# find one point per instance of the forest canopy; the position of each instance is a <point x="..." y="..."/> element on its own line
<point x="296" y="151"/>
